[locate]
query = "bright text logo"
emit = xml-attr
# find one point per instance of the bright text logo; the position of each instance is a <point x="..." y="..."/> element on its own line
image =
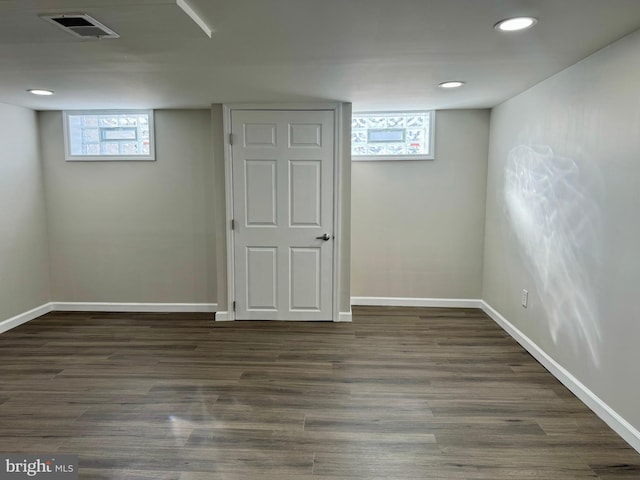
<point x="49" y="467"/>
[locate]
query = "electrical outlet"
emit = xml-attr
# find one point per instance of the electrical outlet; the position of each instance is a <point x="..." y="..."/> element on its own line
<point x="525" y="298"/>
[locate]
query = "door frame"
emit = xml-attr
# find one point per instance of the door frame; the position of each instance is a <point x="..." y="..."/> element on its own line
<point x="336" y="108"/>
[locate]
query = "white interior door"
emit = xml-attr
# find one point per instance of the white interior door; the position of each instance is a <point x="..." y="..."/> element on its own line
<point x="282" y="170"/>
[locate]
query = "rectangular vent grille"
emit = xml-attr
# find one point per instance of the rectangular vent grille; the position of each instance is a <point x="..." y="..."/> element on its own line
<point x="81" y="25"/>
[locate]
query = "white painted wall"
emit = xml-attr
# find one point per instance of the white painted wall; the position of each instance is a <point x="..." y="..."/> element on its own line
<point x="417" y="226"/>
<point x="24" y="262"/>
<point x="134" y="231"/>
<point x="562" y="220"/>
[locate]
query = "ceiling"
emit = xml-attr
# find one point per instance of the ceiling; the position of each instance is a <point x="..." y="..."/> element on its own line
<point x="377" y="54"/>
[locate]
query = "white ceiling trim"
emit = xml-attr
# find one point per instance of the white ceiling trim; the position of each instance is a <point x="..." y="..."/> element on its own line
<point x="188" y="9"/>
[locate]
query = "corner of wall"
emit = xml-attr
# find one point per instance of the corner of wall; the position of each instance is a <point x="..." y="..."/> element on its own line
<point x="217" y="135"/>
<point x="25" y="281"/>
<point x="46" y="195"/>
<point x="345" y="200"/>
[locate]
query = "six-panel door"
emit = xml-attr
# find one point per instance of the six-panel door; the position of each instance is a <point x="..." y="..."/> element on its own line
<point x="283" y="205"/>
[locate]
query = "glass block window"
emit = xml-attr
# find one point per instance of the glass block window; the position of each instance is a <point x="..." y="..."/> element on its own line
<point x="392" y="136"/>
<point x="109" y="135"/>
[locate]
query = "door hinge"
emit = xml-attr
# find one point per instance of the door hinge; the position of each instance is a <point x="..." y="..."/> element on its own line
<point x="234" y="305"/>
<point x="233" y="224"/>
<point x="231" y="139"/>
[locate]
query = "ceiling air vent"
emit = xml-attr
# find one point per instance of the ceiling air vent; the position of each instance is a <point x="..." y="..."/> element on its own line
<point x="81" y="25"/>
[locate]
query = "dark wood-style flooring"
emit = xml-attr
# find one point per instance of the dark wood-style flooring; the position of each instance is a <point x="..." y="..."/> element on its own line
<point x="397" y="394"/>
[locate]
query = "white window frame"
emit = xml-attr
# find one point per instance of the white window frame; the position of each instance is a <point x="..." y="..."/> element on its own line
<point x="431" y="135"/>
<point x="108" y="158"/>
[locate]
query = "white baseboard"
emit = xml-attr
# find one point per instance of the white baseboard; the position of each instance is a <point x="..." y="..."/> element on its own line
<point x="103" y="307"/>
<point x="623" y="428"/>
<point x="25" y="317"/>
<point x="223" y="316"/>
<point x="133" y="307"/>
<point x="417" y="302"/>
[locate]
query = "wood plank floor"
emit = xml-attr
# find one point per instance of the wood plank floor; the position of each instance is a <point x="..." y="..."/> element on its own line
<point x="398" y="394"/>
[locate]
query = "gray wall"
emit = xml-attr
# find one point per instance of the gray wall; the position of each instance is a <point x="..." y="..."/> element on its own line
<point x="562" y="220"/>
<point x="417" y="227"/>
<point x="217" y="136"/>
<point x="133" y="231"/>
<point x="24" y="262"/>
<point x="344" y="302"/>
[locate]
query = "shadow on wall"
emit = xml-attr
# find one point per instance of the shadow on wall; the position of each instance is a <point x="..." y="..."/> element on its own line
<point x="550" y="205"/>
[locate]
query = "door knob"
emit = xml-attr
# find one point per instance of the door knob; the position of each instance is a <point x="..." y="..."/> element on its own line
<point x="324" y="237"/>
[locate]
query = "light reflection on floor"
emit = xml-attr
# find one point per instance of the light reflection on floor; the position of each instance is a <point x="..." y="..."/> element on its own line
<point x="557" y="224"/>
<point x="181" y="429"/>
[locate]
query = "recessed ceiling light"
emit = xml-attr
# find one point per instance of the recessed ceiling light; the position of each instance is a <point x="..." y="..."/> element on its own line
<point x="38" y="91"/>
<point x="515" y="24"/>
<point x="451" y="84"/>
